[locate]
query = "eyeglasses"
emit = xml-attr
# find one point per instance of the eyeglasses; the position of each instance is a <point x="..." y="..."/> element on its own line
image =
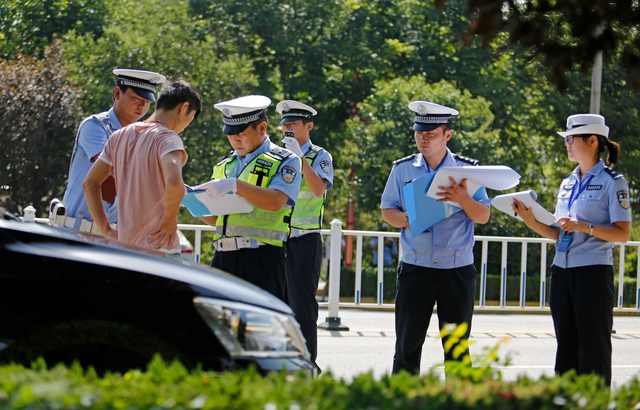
<point x="569" y="139"/>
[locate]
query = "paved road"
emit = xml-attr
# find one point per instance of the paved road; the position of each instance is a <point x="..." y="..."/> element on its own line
<point x="369" y="344"/>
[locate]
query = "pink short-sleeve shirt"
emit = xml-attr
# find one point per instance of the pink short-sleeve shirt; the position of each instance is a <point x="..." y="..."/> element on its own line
<point x="135" y="153"/>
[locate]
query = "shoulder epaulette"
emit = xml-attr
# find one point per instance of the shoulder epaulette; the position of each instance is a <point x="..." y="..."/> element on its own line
<point x="612" y="173"/>
<point x="102" y="116"/>
<point x="280" y="153"/>
<point x="401" y="160"/>
<point x="468" y="160"/>
<point x="225" y="158"/>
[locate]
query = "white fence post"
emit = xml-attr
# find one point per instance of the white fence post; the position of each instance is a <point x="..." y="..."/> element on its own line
<point x="358" y="290"/>
<point x="621" y="277"/>
<point x="523" y="275"/>
<point x="543" y="273"/>
<point x="333" y="320"/>
<point x="29" y="214"/>
<point x="483" y="281"/>
<point x="503" y="277"/>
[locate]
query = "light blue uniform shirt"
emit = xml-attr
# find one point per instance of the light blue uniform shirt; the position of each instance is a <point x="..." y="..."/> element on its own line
<point x="449" y="244"/>
<point x="322" y="164"/>
<point x="604" y="201"/>
<point x="92" y="136"/>
<point x="289" y="167"/>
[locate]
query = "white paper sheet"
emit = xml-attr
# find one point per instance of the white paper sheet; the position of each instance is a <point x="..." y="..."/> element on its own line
<point x="497" y="177"/>
<point x="529" y="198"/>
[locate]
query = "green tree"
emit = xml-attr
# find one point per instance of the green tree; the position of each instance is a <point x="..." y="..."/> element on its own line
<point x="159" y="36"/>
<point x="27" y="26"/>
<point x="40" y="112"/>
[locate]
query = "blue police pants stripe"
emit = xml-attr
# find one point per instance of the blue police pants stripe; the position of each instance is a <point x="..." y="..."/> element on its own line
<point x="263" y="266"/>
<point x="581" y="302"/>
<point x="419" y="288"/>
<point x="304" y="259"/>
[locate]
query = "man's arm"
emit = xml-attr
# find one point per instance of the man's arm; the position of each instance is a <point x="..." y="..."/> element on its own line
<point x="264" y="198"/>
<point x="98" y="173"/>
<point x="396" y="217"/>
<point x="317" y="184"/>
<point x="164" y="233"/>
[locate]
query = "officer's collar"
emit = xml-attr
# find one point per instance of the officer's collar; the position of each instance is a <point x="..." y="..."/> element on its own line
<point x="115" y="123"/>
<point x="306" y="146"/>
<point x="595" y="170"/>
<point x="420" y="161"/>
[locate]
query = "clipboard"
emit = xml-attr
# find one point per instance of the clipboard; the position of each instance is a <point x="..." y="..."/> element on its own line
<point x="199" y="203"/>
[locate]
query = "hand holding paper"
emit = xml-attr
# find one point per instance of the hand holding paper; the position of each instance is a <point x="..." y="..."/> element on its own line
<point x="505" y="203"/>
<point x="216" y="197"/>
<point x="218" y="187"/>
<point x="498" y="177"/>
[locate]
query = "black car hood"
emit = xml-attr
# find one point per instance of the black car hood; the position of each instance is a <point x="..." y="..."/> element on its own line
<point x="63" y="243"/>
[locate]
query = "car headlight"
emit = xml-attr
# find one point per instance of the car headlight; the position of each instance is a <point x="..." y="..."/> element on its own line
<point x="246" y="330"/>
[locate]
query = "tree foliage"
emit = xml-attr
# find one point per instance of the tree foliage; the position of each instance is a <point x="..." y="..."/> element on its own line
<point x="563" y="35"/>
<point x="28" y="26"/>
<point x="40" y="113"/>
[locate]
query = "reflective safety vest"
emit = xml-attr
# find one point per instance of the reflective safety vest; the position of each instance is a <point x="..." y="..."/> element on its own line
<point x="265" y="226"/>
<point x="309" y="208"/>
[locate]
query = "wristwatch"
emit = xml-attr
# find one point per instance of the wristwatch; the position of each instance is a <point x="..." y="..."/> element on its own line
<point x="591" y="229"/>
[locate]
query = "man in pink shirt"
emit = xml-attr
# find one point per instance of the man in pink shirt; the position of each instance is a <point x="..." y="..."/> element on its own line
<point x="146" y="159"/>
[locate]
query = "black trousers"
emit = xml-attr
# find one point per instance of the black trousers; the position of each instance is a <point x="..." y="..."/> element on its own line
<point x="419" y="288"/>
<point x="263" y="266"/>
<point x="581" y="302"/>
<point x="304" y="260"/>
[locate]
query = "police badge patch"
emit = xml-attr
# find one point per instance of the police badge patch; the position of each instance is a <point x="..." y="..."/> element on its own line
<point x="288" y="173"/>
<point x="623" y="199"/>
<point x="326" y="166"/>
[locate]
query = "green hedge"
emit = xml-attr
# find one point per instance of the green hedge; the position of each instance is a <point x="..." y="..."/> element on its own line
<point x="370" y="282"/>
<point x="164" y="386"/>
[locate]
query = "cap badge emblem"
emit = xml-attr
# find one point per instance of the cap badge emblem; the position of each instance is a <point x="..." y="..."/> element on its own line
<point x="227" y="112"/>
<point x="422" y="109"/>
<point x="285" y="107"/>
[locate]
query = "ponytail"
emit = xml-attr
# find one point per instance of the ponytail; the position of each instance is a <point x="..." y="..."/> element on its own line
<point x="612" y="147"/>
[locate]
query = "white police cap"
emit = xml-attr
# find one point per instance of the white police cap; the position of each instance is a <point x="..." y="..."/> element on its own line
<point x="590" y="124"/>
<point x="292" y="110"/>
<point x="142" y="82"/>
<point x="430" y="116"/>
<point x="240" y="112"/>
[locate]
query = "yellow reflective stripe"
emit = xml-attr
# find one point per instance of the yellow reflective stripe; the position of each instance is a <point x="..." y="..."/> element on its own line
<point x="308" y="195"/>
<point x="259" y="233"/>
<point x="306" y="220"/>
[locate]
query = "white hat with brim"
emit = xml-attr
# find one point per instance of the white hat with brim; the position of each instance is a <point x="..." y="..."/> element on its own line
<point x="292" y="111"/>
<point x="585" y="124"/>
<point x="142" y="82"/>
<point x="240" y="112"/>
<point x="430" y="116"/>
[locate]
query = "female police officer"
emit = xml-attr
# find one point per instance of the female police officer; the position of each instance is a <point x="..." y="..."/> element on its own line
<point x="593" y="210"/>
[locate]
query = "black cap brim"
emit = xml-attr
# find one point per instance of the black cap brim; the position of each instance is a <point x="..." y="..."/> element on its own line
<point x="293" y="118"/>
<point x="420" y="127"/>
<point x="146" y="94"/>
<point x="234" y="129"/>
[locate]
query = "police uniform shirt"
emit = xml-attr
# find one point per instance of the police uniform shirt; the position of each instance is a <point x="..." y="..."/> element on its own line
<point x="322" y="164"/>
<point x="92" y="137"/>
<point x="604" y="201"/>
<point x="449" y="243"/>
<point x="289" y="167"/>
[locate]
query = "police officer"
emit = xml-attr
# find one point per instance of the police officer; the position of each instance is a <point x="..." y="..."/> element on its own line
<point x="436" y="265"/>
<point x="304" y="250"/>
<point x="134" y="92"/>
<point x="593" y="208"/>
<point x="252" y="245"/>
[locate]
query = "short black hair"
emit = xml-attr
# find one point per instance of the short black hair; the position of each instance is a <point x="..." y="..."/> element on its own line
<point x="174" y="93"/>
<point x="263" y="118"/>
<point x="123" y="89"/>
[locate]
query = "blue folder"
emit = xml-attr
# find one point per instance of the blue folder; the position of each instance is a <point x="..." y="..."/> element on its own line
<point x="193" y="204"/>
<point x="423" y="211"/>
